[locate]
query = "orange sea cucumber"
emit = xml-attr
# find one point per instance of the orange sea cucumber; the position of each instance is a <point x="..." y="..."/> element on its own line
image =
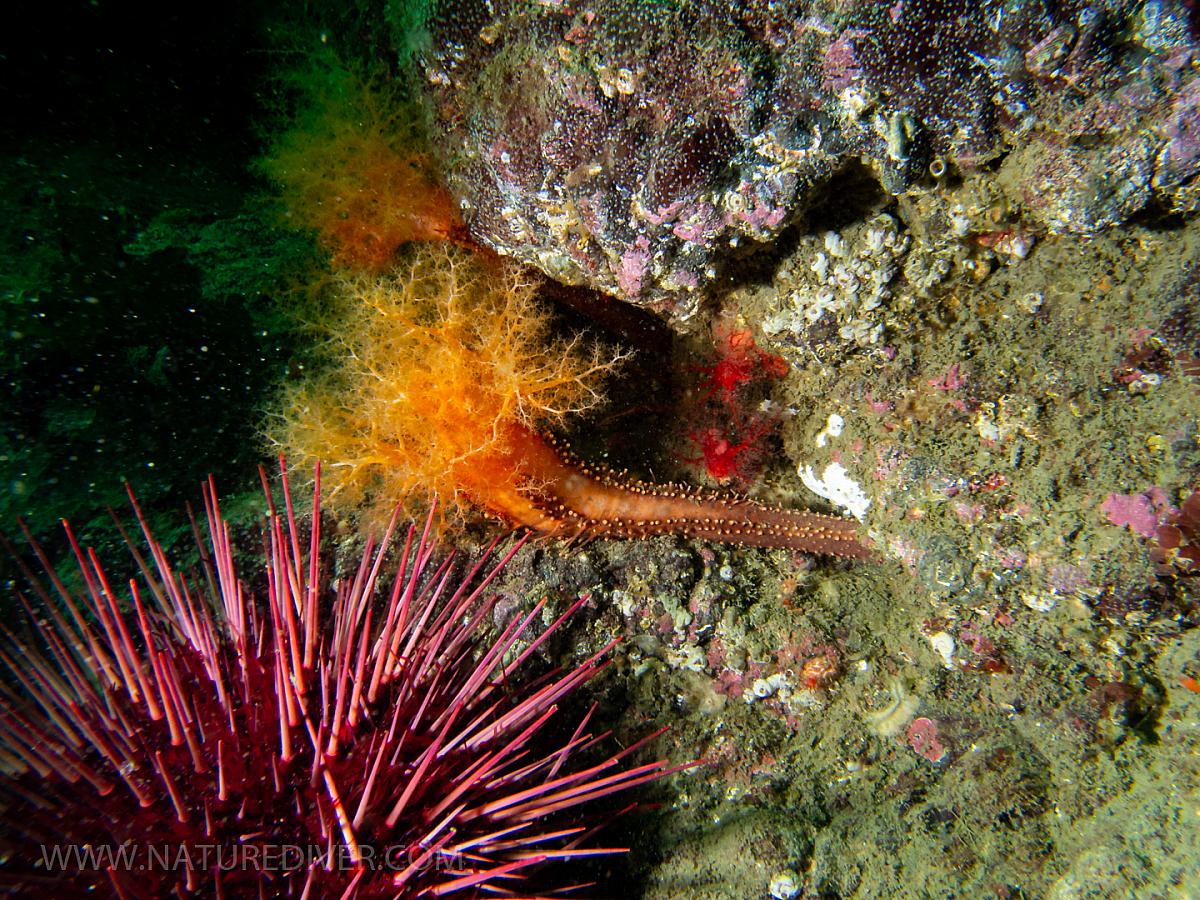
<point x="446" y="379"/>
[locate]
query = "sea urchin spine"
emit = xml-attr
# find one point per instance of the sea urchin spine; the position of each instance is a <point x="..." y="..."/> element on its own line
<point x="185" y="739"/>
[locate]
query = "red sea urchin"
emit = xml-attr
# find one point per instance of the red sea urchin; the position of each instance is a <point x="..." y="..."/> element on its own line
<point x="184" y="739"/>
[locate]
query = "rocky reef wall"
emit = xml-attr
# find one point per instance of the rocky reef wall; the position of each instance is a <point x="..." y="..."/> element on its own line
<point x="632" y="147"/>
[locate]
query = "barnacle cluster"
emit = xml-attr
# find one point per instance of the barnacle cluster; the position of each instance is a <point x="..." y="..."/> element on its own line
<point x="846" y="285"/>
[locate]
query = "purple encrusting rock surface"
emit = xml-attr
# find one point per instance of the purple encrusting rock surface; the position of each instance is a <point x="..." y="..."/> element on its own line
<point x="630" y="146"/>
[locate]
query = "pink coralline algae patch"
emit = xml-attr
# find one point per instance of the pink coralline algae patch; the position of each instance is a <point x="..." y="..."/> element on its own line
<point x="1140" y="513"/>
<point x="923" y="737"/>
<point x="633" y="267"/>
<point x="840" y="67"/>
<point x="1010" y="557"/>
<point x="879" y="407"/>
<point x="951" y="380"/>
<point x="755" y="211"/>
<point x="730" y="683"/>
<point x="702" y="224"/>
